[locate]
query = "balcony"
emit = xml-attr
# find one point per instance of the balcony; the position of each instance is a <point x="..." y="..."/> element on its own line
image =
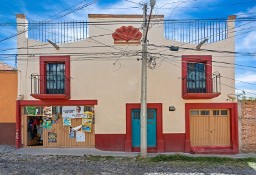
<point x="201" y="88"/>
<point x="56" y="88"/>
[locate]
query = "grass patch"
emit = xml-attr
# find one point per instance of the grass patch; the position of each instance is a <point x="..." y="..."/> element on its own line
<point x="178" y="157"/>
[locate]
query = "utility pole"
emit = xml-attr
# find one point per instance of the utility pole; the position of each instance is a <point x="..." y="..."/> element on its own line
<point x="143" y="110"/>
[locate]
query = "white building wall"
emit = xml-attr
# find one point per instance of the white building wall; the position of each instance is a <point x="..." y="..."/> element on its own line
<point x="114" y="85"/>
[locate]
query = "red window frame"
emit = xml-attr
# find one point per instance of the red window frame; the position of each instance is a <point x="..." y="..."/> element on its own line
<point x="53" y="59"/>
<point x="207" y="60"/>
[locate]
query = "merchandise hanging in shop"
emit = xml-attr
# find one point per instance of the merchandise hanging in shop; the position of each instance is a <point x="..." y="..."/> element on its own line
<point x="47" y="123"/>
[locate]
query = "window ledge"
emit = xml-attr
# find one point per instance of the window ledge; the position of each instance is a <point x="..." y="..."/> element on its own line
<point x="200" y="95"/>
<point x="50" y="96"/>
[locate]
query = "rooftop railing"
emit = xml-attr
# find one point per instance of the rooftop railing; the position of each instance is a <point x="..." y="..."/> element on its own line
<point x="193" y="31"/>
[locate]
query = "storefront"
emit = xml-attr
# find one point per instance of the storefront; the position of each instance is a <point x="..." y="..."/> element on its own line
<point x="70" y="125"/>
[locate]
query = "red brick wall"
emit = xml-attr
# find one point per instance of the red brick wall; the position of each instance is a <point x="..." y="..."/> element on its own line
<point x="248" y="126"/>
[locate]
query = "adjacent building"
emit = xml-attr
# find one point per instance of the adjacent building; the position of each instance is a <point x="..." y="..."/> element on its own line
<point x="8" y="94"/>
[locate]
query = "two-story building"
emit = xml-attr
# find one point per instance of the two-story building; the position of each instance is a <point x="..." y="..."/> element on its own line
<point x="81" y="83"/>
<point x="8" y="94"/>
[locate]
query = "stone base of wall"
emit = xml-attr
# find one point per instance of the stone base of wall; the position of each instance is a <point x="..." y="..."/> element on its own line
<point x="7" y="133"/>
<point x="248" y="123"/>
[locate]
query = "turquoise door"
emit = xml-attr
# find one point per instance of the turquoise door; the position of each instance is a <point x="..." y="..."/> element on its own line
<point x="151" y="128"/>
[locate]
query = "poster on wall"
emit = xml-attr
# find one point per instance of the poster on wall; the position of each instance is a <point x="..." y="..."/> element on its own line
<point x="47" y="123"/>
<point x="31" y="110"/>
<point x="52" y="137"/>
<point x="73" y="111"/>
<point x="80" y="136"/>
<point x="88" y="114"/>
<point x="55" y="119"/>
<point x="66" y="121"/>
<point x="72" y="133"/>
<point x="86" y="125"/>
<point x="47" y="111"/>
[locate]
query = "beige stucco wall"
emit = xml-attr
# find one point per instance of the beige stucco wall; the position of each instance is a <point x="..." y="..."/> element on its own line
<point x="114" y="85"/>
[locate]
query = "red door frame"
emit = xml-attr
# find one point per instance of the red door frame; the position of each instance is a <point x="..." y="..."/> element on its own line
<point x="233" y="122"/>
<point x="159" y="125"/>
<point x="20" y="103"/>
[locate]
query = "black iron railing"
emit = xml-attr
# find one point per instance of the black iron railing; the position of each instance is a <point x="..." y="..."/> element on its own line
<point x="52" y="85"/>
<point x="58" y="32"/>
<point x="199" y="84"/>
<point x="195" y="31"/>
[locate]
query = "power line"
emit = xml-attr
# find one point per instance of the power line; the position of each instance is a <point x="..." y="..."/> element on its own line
<point x="221" y="62"/>
<point x="218" y="5"/>
<point x="211" y="50"/>
<point x="48" y="18"/>
<point x="133" y="2"/>
<point x="215" y="66"/>
<point x="220" y="82"/>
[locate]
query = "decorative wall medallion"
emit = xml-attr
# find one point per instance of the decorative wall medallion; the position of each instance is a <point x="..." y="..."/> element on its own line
<point x="127" y="35"/>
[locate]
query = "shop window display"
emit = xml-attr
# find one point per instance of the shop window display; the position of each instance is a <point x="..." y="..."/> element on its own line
<point x="59" y="125"/>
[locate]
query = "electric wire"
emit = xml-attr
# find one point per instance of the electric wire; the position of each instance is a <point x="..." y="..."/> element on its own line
<point x="21" y="32"/>
<point x="220" y="82"/>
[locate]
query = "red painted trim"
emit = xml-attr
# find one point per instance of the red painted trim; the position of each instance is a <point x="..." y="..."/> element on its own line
<point x="174" y="142"/>
<point x="54" y="59"/>
<point x="159" y="125"/>
<point x="110" y="142"/>
<point x="18" y="125"/>
<point x="207" y="59"/>
<point x="149" y="150"/>
<point x="200" y="95"/>
<point x="233" y="122"/>
<point x="213" y="149"/>
<point x="57" y="102"/>
<point x="50" y="96"/>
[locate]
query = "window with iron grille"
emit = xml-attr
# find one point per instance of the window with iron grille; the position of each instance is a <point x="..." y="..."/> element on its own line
<point x="55" y="78"/>
<point x="196" y="78"/>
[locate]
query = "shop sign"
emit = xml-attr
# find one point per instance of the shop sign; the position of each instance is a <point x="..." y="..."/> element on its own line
<point x="31" y="110"/>
<point x="73" y="112"/>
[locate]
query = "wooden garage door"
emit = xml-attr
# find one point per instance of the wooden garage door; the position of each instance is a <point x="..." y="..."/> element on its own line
<point x="210" y="127"/>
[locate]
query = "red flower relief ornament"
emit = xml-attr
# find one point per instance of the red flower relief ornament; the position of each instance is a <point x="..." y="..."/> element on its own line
<point x="127" y="35"/>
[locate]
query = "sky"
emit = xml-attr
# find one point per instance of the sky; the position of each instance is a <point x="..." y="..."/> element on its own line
<point x="38" y="10"/>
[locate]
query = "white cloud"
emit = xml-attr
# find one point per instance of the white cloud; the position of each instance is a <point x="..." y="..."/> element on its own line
<point x="247" y="77"/>
<point x="245" y="32"/>
<point x="247" y="13"/>
<point x="248" y="92"/>
<point x="118" y="8"/>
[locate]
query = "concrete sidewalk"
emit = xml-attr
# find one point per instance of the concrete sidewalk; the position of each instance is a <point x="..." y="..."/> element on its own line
<point x="97" y="152"/>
